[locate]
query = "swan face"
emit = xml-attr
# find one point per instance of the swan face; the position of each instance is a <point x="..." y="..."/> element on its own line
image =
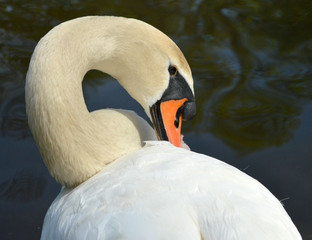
<point x="170" y="79"/>
<point x="167" y="98"/>
<point x="176" y="103"/>
<point x="164" y="87"/>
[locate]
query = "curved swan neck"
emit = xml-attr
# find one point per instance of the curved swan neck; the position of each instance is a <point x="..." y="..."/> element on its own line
<point x="75" y="144"/>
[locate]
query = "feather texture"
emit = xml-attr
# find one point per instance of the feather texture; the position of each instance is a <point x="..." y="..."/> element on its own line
<point x="163" y="192"/>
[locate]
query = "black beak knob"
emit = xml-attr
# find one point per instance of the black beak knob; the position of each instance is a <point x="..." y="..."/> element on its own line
<point x="188" y="111"/>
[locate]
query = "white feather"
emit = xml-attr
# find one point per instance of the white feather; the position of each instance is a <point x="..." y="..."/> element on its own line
<point x="163" y="192"/>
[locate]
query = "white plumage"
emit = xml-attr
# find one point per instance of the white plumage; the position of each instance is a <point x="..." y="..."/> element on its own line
<point x="163" y="192"/>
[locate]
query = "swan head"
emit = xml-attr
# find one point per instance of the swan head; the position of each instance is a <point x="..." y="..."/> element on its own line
<point x="154" y="71"/>
<point x="177" y="103"/>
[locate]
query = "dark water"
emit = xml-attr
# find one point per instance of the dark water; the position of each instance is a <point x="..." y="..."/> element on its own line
<point x="252" y="65"/>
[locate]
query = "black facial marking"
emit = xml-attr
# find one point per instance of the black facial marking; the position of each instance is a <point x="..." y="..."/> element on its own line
<point x="188" y="111"/>
<point x="179" y="89"/>
<point x="158" y="121"/>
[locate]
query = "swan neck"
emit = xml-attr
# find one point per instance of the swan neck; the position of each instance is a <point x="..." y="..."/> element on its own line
<point x="75" y="144"/>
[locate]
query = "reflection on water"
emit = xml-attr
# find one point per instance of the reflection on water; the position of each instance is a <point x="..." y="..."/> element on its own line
<point x="252" y="66"/>
<point x="248" y="121"/>
<point x="24" y="186"/>
<point x="257" y="82"/>
<point x="13" y="117"/>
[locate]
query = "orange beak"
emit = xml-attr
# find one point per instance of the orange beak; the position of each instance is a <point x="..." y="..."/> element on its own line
<point x="172" y="119"/>
<point x="177" y="103"/>
<point x="167" y="120"/>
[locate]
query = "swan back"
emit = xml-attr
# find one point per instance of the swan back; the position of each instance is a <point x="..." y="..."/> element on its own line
<point x="164" y="192"/>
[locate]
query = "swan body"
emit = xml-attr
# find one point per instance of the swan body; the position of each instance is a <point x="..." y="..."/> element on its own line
<point x="164" y="192"/>
<point x="119" y="183"/>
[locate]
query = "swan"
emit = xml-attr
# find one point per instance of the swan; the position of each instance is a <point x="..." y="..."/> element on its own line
<point x="119" y="181"/>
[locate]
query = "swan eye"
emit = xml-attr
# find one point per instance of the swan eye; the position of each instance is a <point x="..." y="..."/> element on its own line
<point x="172" y="70"/>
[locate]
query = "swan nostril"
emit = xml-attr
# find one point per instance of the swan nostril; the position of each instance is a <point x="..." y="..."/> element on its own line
<point x="177" y="118"/>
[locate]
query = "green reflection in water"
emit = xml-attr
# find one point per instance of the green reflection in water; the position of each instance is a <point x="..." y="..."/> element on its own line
<point x="251" y="60"/>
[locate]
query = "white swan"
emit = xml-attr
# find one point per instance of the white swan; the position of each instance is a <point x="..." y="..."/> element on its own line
<point x="123" y="189"/>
